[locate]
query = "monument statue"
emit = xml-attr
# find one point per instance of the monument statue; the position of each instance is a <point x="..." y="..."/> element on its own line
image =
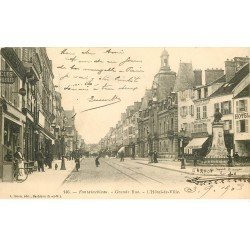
<point x="217" y="115"/>
<point x="218" y="148"/>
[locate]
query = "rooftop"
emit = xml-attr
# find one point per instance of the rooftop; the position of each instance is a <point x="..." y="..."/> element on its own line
<point x="228" y="87"/>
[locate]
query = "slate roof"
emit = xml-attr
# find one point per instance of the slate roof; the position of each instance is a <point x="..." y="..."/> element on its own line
<point x="244" y="93"/>
<point x="228" y="87"/>
<point x="185" y="77"/>
<point x="146" y="98"/>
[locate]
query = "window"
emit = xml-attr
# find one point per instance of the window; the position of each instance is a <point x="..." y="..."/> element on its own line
<point x="192" y="110"/>
<point x="130" y="131"/>
<point x="216" y="107"/>
<point x="198" y="114"/>
<point x="228" y="125"/>
<point x="204" y="127"/>
<point x="199" y="93"/>
<point x="242" y="126"/>
<point x="204" y="112"/>
<point x="226" y="107"/>
<point x="241" y="106"/>
<point x="199" y="127"/>
<point x="205" y="92"/>
<point x="185" y="126"/>
<point x="172" y="123"/>
<point x="183" y="111"/>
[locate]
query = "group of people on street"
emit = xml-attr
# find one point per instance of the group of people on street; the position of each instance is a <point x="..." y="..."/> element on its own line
<point x="153" y="157"/>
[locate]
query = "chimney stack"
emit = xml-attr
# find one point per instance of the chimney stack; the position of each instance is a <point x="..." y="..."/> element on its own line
<point x="213" y="74"/>
<point x="230" y="68"/>
<point x="197" y="77"/>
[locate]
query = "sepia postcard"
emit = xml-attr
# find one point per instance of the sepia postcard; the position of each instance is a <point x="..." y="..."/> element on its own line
<point x="124" y="123"/>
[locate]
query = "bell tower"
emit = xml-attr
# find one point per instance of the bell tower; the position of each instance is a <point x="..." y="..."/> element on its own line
<point x="164" y="59"/>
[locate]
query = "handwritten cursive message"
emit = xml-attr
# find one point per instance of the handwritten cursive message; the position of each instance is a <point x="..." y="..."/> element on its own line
<point x="102" y="75"/>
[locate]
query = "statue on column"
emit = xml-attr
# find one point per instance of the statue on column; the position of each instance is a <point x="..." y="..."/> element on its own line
<point x="217" y="115"/>
<point x="218" y="149"/>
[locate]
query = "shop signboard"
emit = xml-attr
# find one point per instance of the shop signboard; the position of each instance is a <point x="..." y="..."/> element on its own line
<point x="7" y="77"/>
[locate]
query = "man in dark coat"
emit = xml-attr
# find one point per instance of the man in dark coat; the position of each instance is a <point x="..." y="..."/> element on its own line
<point x="195" y="158"/>
<point x="155" y="155"/>
<point x="77" y="161"/>
<point x="183" y="162"/>
<point x="230" y="161"/>
<point x="40" y="160"/>
<point x="122" y="156"/>
<point x="97" y="163"/>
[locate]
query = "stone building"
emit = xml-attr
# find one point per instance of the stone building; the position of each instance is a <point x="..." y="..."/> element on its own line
<point x="158" y="125"/>
<point x="12" y="119"/>
<point x="70" y="135"/>
<point x="212" y="96"/>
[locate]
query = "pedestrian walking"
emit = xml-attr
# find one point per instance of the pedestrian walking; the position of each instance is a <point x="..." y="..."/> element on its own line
<point x="50" y="159"/>
<point x="97" y="163"/>
<point x="122" y="156"/>
<point x="236" y="157"/>
<point x="133" y="156"/>
<point x="40" y="161"/>
<point x="150" y="153"/>
<point x="195" y="158"/>
<point x="77" y="161"/>
<point x="182" y="162"/>
<point x="230" y="161"/>
<point x="155" y="156"/>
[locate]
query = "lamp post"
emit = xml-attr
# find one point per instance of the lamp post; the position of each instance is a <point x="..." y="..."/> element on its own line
<point x="181" y="135"/>
<point x="63" y="150"/>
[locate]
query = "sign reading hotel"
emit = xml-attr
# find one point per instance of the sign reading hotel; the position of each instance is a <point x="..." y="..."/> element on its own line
<point x="241" y="116"/>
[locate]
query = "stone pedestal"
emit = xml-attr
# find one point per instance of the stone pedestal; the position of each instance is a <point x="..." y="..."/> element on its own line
<point x="218" y="148"/>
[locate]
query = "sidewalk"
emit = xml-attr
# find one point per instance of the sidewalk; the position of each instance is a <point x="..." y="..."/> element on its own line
<point x="198" y="170"/>
<point x="39" y="183"/>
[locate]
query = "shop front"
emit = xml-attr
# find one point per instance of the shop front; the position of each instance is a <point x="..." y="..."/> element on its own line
<point x="29" y="141"/>
<point x="47" y="144"/>
<point x="11" y="129"/>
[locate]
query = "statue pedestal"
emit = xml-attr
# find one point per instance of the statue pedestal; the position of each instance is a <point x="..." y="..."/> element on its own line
<point x="218" y="149"/>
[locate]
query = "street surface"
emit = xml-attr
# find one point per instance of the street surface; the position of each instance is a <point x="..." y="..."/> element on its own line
<point x="130" y="179"/>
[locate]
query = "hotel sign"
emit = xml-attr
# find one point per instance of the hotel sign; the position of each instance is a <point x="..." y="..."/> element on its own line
<point x="241" y="116"/>
<point x="7" y="77"/>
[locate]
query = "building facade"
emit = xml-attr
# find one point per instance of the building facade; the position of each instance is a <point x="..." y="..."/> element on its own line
<point x="31" y="113"/>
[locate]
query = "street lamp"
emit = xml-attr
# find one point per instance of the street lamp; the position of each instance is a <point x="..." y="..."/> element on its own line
<point x="63" y="150"/>
<point x="181" y="136"/>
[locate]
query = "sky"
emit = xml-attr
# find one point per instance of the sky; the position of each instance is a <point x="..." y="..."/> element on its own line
<point x="76" y="75"/>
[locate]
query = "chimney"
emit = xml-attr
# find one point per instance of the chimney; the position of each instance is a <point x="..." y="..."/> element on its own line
<point x="230" y="68"/>
<point x="213" y="74"/>
<point x="241" y="61"/>
<point x="197" y="77"/>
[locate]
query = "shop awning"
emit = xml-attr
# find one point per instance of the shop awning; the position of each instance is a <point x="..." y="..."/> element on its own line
<point x="122" y="149"/>
<point x="48" y="135"/>
<point x="196" y="143"/>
